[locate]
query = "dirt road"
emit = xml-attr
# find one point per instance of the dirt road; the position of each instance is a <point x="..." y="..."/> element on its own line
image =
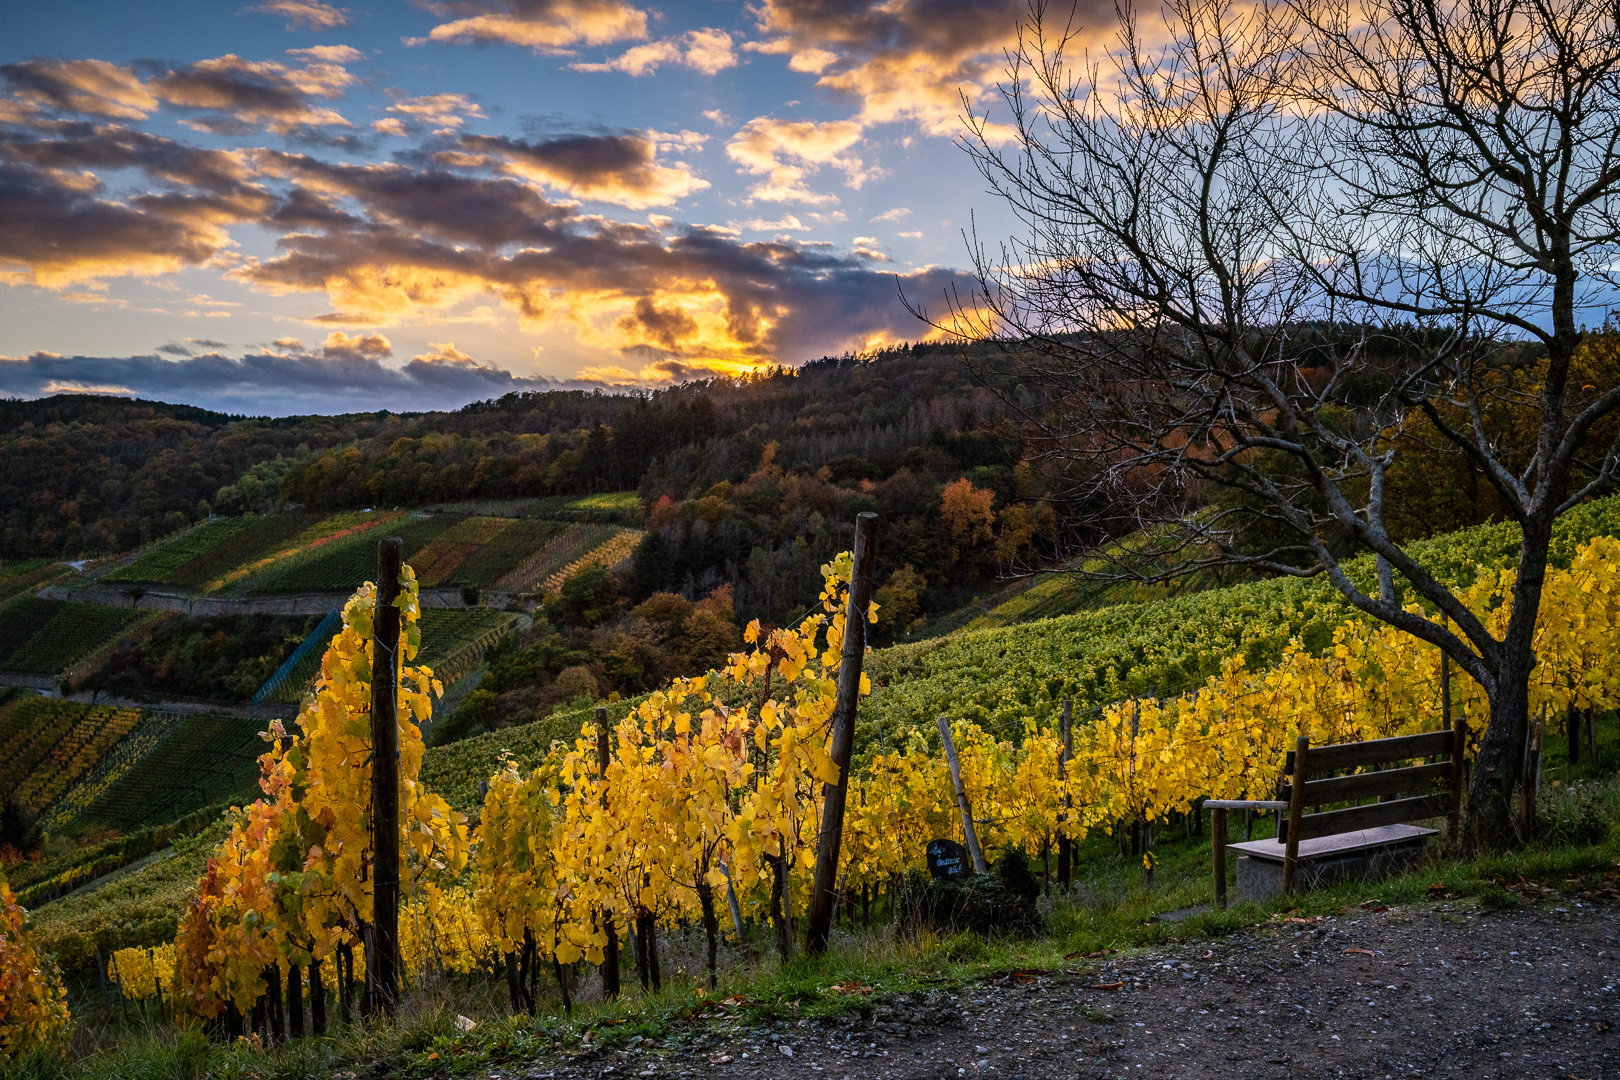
<point x="1442" y="990"/>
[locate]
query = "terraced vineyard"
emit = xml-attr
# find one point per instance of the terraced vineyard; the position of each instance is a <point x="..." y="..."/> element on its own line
<point x="45" y="637"/>
<point x="436" y="563"/>
<point x="454" y="640"/>
<point x="284" y="570"/>
<point x="571" y="546"/>
<point x="22" y="578"/>
<point x="608" y="553"/>
<point x="204" y="759"/>
<point x="506" y="550"/>
<point x="159" y="565"/>
<point x="46" y="744"/>
<point x="343" y="565"/>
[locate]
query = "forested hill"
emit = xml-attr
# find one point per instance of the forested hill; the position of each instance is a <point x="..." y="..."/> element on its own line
<point x="754" y="481"/>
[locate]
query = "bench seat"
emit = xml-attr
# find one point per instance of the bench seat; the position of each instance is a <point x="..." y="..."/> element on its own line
<point x="1337" y="844"/>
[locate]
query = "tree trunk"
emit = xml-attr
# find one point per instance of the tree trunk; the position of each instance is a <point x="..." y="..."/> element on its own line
<point x="1573" y="723"/>
<point x="295" y="1001"/>
<point x="278" y="1019"/>
<point x="513" y="990"/>
<point x="317" y="1000"/>
<point x="784" y="938"/>
<point x="345" y="981"/>
<point x="711" y="926"/>
<point x="1501" y="752"/>
<point x="562" y="985"/>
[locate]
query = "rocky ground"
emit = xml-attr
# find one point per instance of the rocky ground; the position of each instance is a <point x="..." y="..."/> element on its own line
<point x="1444" y="989"/>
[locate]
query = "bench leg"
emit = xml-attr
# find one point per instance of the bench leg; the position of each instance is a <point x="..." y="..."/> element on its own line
<point x="1217" y="836"/>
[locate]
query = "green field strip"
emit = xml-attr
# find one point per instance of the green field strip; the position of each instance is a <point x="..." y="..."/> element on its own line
<point x="507" y="551"/>
<point x="156" y="567"/>
<point x="205" y="759"/>
<point x="330" y="534"/>
<point x="62" y="633"/>
<point x="347" y="563"/>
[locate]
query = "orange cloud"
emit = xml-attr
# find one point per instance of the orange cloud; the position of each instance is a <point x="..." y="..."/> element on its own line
<point x="305" y="14"/>
<point x="786" y="151"/>
<point x="443" y="111"/>
<point x="707" y="50"/>
<point x="546" y="26"/>
<point x="88" y="86"/>
<point x="911" y="60"/>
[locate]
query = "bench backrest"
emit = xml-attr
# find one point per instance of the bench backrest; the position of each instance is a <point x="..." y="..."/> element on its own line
<point x="1407" y="793"/>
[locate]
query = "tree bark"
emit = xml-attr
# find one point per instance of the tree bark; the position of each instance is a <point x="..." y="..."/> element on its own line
<point x="711" y="927"/>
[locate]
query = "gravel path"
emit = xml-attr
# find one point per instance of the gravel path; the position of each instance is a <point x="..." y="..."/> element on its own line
<point x="1436" y="990"/>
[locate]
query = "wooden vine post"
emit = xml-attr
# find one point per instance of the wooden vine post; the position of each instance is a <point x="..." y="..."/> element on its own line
<point x="969" y="833"/>
<point x="610" y="948"/>
<point x="823" y="896"/>
<point x="1065" y="867"/>
<point x="382" y="954"/>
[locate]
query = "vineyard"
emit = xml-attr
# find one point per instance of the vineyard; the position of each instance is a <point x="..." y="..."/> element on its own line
<point x="608" y="553"/>
<point x="1173" y="701"/>
<point x="46" y="745"/>
<point x="45" y="637"/>
<point x="201" y="760"/>
<point x="28" y="577"/>
<point x="163" y="563"/>
<point x="340" y="565"/>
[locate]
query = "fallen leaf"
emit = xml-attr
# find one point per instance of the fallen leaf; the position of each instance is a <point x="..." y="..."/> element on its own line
<point x="1301" y="922"/>
<point x="1362" y="952"/>
<point x="718" y="1057"/>
<point x="1208" y="955"/>
<point x="1374" y="905"/>
<point x="1106" y="986"/>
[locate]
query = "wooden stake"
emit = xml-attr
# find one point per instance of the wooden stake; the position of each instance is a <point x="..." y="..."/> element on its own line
<point x="610" y="948"/>
<point x="969" y="832"/>
<point x="1066" y="722"/>
<point x="1217" y="836"/>
<point x="842" y="745"/>
<point x="1296" y="814"/>
<point x="382" y="958"/>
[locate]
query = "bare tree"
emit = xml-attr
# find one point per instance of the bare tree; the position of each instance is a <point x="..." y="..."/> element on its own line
<point x="1261" y="242"/>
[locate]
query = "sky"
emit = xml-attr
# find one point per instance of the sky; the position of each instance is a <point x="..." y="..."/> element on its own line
<point x="293" y="206"/>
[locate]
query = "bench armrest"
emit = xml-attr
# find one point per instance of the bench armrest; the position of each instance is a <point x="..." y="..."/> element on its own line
<point x="1244" y="804"/>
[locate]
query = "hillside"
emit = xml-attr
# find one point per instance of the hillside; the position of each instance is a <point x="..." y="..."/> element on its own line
<point x="996" y="678"/>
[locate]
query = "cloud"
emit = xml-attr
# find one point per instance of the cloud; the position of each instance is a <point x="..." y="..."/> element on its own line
<point x="237" y="95"/>
<point x="618" y="169"/>
<point x="707" y="50"/>
<point x="444" y="352"/>
<point x="766" y="146"/>
<point x="304" y="14"/>
<point x="446" y="112"/>
<point x="245" y="94"/>
<point x="332" y="54"/>
<point x="289" y="343"/>
<point x="546" y="26"/>
<point x="902" y="59"/>
<point x="698" y="298"/>
<point x="786" y="223"/>
<point x="340" y="346"/>
<point x="56" y="232"/>
<point x="88" y="86"/>
<point x="268" y="383"/>
<point x="890" y="215"/>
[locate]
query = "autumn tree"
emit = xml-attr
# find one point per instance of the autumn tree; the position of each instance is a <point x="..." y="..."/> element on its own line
<point x="1262" y="240"/>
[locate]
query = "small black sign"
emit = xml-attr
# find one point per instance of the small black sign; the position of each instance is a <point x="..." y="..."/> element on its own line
<point x="947" y="859"/>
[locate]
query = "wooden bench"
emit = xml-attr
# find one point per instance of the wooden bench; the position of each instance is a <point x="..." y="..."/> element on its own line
<point x="1355" y="841"/>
